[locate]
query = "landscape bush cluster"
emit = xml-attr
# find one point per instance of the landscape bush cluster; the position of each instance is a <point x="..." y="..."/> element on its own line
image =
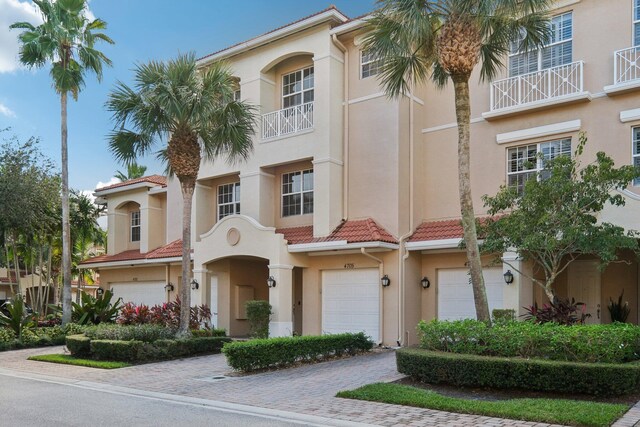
<point x="516" y="373"/>
<point x="37" y="337"/>
<point x="279" y="352"/>
<point x="614" y="343"/>
<point x="167" y="315"/>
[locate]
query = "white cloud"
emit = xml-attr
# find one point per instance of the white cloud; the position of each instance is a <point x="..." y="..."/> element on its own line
<point x="112" y="181"/>
<point x="6" y="111"/>
<point x="17" y="11"/>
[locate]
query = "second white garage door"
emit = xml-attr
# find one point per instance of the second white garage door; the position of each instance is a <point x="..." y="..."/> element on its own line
<point x="455" y="295"/>
<point x="148" y="293"/>
<point x="351" y="302"/>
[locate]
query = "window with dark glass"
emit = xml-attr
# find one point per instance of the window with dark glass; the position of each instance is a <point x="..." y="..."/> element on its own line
<point x="297" y="193"/>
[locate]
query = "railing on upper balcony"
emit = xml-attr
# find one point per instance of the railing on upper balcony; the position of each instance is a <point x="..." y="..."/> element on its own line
<point x="626" y="65"/>
<point x="543" y="85"/>
<point x="287" y="121"/>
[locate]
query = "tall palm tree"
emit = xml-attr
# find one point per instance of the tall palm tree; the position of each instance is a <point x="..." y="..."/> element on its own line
<point x="134" y="171"/>
<point x="66" y="39"/>
<point x="194" y="113"/>
<point x="442" y="40"/>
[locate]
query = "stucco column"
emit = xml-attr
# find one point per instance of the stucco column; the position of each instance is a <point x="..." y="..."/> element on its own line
<point x="198" y="296"/>
<point x="518" y="294"/>
<point x="281" y="300"/>
<point x="256" y="196"/>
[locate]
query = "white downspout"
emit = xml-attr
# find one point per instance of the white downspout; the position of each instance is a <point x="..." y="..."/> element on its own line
<point x="380" y="274"/>
<point x="345" y="137"/>
<point x="404" y="337"/>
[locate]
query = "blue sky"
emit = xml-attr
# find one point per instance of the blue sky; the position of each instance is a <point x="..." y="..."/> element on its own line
<point x="142" y="30"/>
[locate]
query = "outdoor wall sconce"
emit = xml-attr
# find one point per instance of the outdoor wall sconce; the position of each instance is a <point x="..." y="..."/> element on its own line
<point x="99" y="292"/>
<point x="271" y="282"/>
<point x="385" y="281"/>
<point x="508" y="277"/>
<point x="194" y="285"/>
<point x="168" y="287"/>
<point x="425" y="283"/>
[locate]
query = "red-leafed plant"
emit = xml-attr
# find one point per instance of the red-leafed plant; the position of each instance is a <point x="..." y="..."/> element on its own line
<point x="166" y="314"/>
<point x="561" y="311"/>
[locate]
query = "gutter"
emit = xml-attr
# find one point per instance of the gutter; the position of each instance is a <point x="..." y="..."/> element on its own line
<point x="364" y="252"/>
<point x="345" y="126"/>
<point x="132" y="262"/>
<point x="427" y="245"/>
<point x="339" y="245"/>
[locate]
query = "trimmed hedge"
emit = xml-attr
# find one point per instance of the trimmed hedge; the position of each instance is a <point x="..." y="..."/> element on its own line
<point x="140" y="351"/>
<point x="540" y="375"/>
<point x="145" y="333"/>
<point x="37" y="337"/>
<point x="613" y="343"/>
<point x="280" y="352"/>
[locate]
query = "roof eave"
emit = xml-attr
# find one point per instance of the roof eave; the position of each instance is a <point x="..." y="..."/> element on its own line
<point x="131" y="262"/>
<point x="338" y="245"/>
<point x="347" y="27"/>
<point x="329" y="15"/>
<point x="122" y="188"/>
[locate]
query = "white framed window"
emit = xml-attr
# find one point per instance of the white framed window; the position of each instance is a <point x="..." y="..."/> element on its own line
<point x="297" y="87"/>
<point x="527" y="162"/>
<point x="635" y="151"/>
<point x="297" y="193"/>
<point x="370" y="65"/>
<point x="557" y="51"/>
<point x="237" y="94"/>
<point x="228" y="199"/>
<point x="135" y="226"/>
<point x="636" y="22"/>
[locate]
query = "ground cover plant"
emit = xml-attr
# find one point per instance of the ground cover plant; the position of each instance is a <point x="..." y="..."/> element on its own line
<point x="555" y="411"/>
<point x="66" y="359"/>
<point x="37" y="337"/>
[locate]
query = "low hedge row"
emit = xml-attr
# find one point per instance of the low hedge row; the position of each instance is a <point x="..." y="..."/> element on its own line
<point x="279" y="352"/>
<point x="613" y="343"/>
<point x="37" y="337"/>
<point x="140" y="351"/>
<point x="516" y="373"/>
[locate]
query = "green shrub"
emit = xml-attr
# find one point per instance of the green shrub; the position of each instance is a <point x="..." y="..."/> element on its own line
<point x="78" y="345"/>
<point x="145" y="333"/>
<point x="7" y="335"/>
<point x="540" y="375"/>
<point x="278" y="352"/>
<point x="258" y="315"/>
<point x="614" y="343"/>
<point x="96" y="310"/>
<point x="121" y="351"/>
<point x="503" y="315"/>
<point x="17" y="319"/>
<point x="209" y="332"/>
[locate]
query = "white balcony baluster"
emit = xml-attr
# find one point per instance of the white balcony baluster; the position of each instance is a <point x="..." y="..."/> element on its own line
<point x="547" y="84"/>
<point x="287" y="121"/>
<point x="626" y="65"/>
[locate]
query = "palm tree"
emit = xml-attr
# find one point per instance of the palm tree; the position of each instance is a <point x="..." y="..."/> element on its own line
<point x="442" y="40"/>
<point x="134" y="171"/>
<point x="66" y="38"/>
<point x="195" y="113"/>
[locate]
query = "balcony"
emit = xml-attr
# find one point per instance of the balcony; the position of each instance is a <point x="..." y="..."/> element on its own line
<point x="626" y="71"/>
<point x="287" y="121"/>
<point x="539" y="89"/>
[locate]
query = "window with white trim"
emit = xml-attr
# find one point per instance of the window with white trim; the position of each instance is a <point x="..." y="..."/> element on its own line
<point x="228" y="199"/>
<point x="237" y="95"/>
<point x="135" y="226"/>
<point x="297" y="87"/>
<point x="370" y="65"/>
<point x="297" y="193"/>
<point x="635" y="153"/>
<point x="527" y="162"/>
<point x="636" y="22"/>
<point x="557" y="51"/>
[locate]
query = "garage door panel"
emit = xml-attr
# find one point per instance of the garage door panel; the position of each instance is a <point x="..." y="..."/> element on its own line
<point x="455" y="294"/>
<point x="147" y="293"/>
<point x="351" y="302"/>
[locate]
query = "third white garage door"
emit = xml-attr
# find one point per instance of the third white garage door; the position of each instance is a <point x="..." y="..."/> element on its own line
<point x="455" y="296"/>
<point x="351" y="302"/>
<point x="148" y="293"/>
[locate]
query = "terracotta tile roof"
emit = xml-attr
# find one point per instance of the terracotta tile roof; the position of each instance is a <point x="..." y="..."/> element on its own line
<point x="353" y="231"/>
<point x="171" y="250"/>
<point x="332" y="7"/>
<point x="439" y="230"/>
<point x="152" y="179"/>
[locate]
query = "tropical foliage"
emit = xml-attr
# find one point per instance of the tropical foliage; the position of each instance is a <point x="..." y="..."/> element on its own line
<point x="134" y="171"/>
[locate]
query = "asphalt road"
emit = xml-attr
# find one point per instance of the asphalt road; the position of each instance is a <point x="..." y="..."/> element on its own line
<point x="27" y="402"/>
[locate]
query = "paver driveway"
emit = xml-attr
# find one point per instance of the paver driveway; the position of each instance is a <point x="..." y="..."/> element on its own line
<point x="308" y="389"/>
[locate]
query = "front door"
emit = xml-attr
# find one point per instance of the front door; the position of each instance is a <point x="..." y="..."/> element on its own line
<point x="213" y="300"/>
<point x="584" y="286"/>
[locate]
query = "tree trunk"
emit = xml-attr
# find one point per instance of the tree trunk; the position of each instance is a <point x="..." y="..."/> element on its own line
<point x="185" y="287"/>
<point x="463" y="116"/>
<point x="66" y="232"/>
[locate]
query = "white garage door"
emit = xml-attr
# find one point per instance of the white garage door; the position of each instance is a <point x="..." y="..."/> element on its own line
<point x="455" y="295"/>
<point x="351" y="302"/>
<point x="148" y="293"/>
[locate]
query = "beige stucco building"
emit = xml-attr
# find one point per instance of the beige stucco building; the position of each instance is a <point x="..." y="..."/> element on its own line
<point x="346" y="187"/>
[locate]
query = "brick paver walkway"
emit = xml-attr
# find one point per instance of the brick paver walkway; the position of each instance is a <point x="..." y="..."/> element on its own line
<point x="308" y="389"/>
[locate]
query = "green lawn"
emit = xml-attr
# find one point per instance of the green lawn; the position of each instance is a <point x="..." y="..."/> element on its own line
<point x="557" y="411"/>
<point x="70" y="360"/>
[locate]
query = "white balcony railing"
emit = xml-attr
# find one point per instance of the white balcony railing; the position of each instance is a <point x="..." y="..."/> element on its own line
<point x="539" y="86"/>
<point x="287" y="121"/>
<point x="626" y="65"/>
